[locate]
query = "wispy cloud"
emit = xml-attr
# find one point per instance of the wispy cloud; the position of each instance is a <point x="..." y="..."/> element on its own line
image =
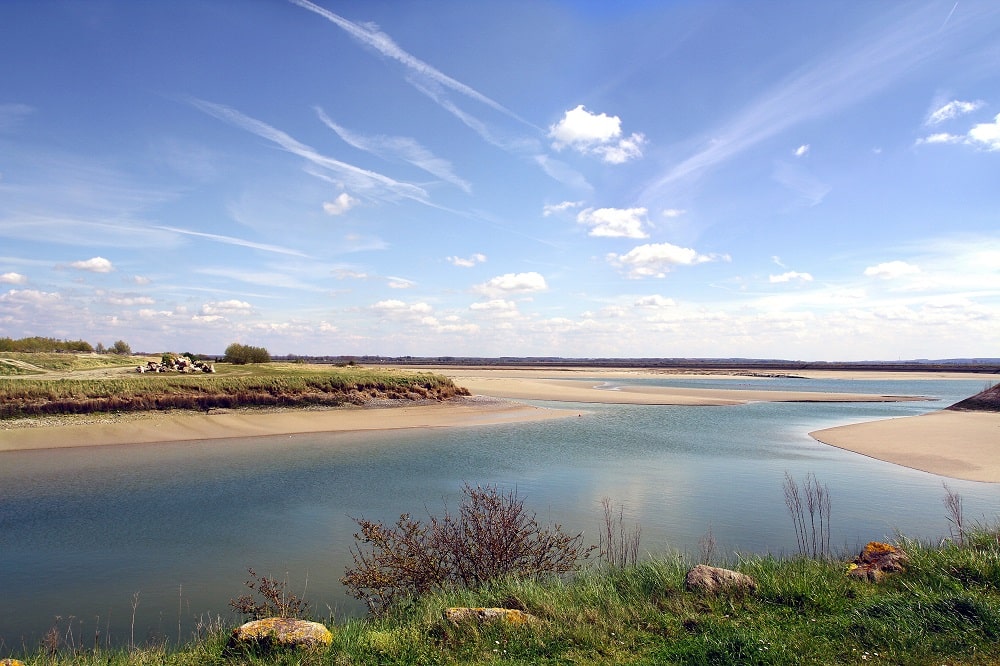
<point x="11" y="115"/>
<point x="360" y="178"/>
<point x="952" y="109"/>
<point x="385" y="45"/>
<point x="398" y="147"/>
<point x="861" y="68"/>
<point x="230" y="240"/>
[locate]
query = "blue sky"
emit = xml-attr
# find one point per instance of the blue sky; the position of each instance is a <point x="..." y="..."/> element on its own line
<point x="815" y="181"/>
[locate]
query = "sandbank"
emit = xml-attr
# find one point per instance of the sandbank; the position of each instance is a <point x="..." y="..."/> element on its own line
<point x="601" y="388"/>
<point x="152" y="427"/>
<point x="961" y="445"/>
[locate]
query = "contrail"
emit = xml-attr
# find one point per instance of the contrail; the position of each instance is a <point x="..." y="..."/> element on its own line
<point x="384" y="44"/>
<point x="949" y="16"/>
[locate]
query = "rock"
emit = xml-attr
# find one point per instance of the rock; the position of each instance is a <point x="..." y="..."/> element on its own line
<point x="11" y="662"/>
<point x="875" y="561"/>
<point x="712" y="580"/>
<point x="489" y="615"/>
<point x="280" y="632"/>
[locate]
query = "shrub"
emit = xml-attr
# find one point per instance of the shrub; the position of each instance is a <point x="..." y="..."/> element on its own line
<point x="269" y="597"/>
<point x="121" y="348"/>
<point x="493" y="536"/>
<point x="243" y="354"/>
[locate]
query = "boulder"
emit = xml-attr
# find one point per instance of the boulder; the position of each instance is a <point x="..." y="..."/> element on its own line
<point x="11" y="662"/>
<point x="280" y="632"/>
<point x="712" y="580"/>
<point x="512" y="616"/>
<point x="875" y="561"/>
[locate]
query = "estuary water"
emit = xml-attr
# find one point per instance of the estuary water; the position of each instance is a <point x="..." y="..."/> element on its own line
<point x="164" y="533"/>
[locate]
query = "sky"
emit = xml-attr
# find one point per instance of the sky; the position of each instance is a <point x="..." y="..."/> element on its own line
<point x="675" y="178"/>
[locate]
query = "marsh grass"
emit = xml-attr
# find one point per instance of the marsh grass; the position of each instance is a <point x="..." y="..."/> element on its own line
<point x="945" y="608"/>
<point x="267" y="385"/>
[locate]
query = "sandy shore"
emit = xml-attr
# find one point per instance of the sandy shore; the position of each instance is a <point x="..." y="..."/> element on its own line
<point x="957" y="444"/>
<point x="177" y="427"/>
<point x="962" y="445"/>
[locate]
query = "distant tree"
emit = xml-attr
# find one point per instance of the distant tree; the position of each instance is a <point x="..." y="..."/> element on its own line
<point x="100" y="348"/>
<point x="121" y="348"/>
<point x="240" y="354"/>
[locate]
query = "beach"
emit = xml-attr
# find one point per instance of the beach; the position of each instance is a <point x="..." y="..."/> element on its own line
<point x="955" y="444"/>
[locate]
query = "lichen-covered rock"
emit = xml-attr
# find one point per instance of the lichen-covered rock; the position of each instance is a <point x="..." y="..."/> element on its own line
<point x="11" y="662"/>
<point x="488" y="615"/>
<point x="875" y="561"/>
<point x="280" y="632"/>
<point x="713" y="580"/>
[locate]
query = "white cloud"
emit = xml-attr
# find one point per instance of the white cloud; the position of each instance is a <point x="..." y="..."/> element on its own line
<point x="801" y="150"/>
<point x="343" y="203"/>
<point x="394" y="306"/>
<point x="494" y="305"/>
<point x="140" y="280"/>
<point x="477" y="258"/>
<point x="348" y="274"/>
<point x="599" y="134"/>
<point x="552" y="209"/>
<point x="673" y="212"/>
<point x="655" y="301"/>
<point x="222" y="308"/>
<point x="987" y="135"/>
<point x="13" y="278"/>
<point x="400" y="283"/>
<point x="94" y="265"/>
<point x="952" y="109"/>
<point x="128" y="301"/>
<point x="790" y="276"/>
<point x="941" y="137"/>
<point x="614" y="222"/>
<point x="891" y="270"/>
<point x="512" y="283"/>
<point x="30" y="296"/>
<point x="657" y="259"/>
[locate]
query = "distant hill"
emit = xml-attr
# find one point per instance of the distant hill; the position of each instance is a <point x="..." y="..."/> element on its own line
<point x="985" y="401"/>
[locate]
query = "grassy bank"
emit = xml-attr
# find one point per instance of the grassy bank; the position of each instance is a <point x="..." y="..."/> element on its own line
<point x="944" y="609"/>
<point x="76" y="391"/>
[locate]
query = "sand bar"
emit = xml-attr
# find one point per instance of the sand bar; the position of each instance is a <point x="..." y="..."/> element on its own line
<point x="176" y="427"/>
<point x="961" y="445"/>
<point x="602" y="388"/>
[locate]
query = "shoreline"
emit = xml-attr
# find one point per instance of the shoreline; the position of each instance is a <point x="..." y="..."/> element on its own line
<point x="962" y="445"/>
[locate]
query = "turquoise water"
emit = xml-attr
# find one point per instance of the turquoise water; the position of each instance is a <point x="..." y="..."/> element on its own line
<point x="83" y="530"/>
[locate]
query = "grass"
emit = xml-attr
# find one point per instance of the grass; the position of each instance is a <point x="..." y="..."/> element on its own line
<point x="945" y="608"/>
<point x="67" y="362"/>
<point x="233" y="386"/>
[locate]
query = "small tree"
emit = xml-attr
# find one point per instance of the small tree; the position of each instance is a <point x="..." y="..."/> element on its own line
<point x="121" y="348"/>
<point x="493" y="536"/>
<point x="242" y="354"/>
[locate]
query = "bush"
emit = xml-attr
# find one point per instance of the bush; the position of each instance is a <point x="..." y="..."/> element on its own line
<point x="243" y="354"/>
<point x="493" y="536"/>
<point x="121" y="348"/>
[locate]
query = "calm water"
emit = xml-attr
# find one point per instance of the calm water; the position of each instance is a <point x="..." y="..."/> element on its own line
<point x="82" y="531"/>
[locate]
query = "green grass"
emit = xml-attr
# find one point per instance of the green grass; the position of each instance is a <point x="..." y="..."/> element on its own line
<point x="231" y="386"/>
<point x="945" y="608"/>
<point x="69" y="362"/>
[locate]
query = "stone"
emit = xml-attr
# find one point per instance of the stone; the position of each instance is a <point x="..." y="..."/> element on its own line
<point x="11" y="662"/>
<point x="512" y="616"/>
<point x="875" y="561"/>
<point x="713" y="580"/>
<point x="280" y="632"/>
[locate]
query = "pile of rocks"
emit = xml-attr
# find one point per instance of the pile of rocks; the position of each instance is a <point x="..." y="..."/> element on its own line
<point x="178" y="364"/>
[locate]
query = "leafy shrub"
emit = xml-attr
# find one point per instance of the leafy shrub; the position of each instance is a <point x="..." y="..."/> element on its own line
<point x="493" y="536"/>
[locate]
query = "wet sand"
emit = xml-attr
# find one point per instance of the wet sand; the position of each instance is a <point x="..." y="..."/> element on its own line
<point x="961" y="445"/>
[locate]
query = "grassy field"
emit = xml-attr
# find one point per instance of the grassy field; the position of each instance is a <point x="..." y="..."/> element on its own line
<point x="68" y="384"/>
<point x="944" y="609"/>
